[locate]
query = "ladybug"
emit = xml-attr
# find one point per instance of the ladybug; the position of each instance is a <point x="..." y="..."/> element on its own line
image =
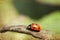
<point x="34" y="27"/>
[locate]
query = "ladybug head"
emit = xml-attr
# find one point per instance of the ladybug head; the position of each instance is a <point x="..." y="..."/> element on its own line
<point x="34" y="27"/>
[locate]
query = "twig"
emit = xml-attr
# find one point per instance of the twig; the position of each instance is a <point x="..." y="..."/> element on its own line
<point x="22" y="29"/>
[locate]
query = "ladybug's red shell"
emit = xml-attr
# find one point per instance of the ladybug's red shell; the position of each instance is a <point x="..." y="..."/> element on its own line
<point x="34" y="27"/>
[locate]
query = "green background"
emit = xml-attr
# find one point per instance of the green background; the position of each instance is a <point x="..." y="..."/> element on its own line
<point x="48" y="16"/>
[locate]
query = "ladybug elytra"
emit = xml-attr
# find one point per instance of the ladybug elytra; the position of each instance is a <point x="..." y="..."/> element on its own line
<point x="34" y="27"/>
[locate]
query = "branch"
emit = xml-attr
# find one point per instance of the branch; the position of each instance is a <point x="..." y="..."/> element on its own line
<point x="43" y="34"/>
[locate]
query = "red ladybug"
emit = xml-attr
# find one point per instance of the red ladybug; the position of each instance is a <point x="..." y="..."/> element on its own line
<point x="34" y="27"/>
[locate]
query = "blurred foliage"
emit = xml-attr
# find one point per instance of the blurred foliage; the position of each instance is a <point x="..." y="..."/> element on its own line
<point x="51" y="22"/>
<point x="50" y="2"/>
<point x="46" y="15"/>
<point x="34" y="9"/>
<point x="17" y="36"/>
